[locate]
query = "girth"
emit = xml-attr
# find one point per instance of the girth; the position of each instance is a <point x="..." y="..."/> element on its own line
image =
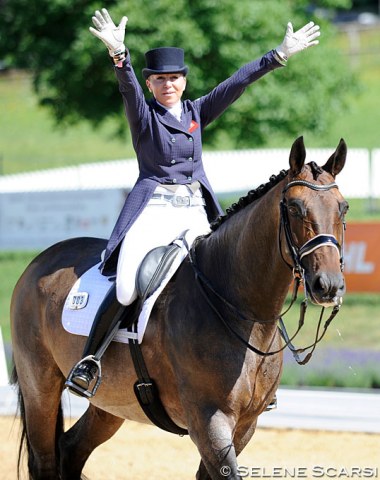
<point x="151" y="272"/>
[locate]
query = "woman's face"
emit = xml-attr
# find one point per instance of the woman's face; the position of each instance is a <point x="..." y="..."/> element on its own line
<point x="167" y="88"/>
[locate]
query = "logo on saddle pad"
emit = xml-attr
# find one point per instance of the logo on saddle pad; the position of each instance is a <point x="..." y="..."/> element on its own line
<point x="77" y="301"/>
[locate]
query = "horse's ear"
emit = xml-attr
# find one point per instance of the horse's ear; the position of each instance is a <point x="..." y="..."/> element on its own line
<point x="297" y="156"/>
<point x="336" y="162"/>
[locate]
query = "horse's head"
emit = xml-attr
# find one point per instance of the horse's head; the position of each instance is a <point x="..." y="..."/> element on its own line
<point x="312" y="216"/>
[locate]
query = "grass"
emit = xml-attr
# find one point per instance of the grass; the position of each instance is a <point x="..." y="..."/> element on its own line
<point x="30" y="139"/>
<point x="12" y="264"/>
<point x="363" y="210"/>
<point x="354" y="327"/>
<point x="348" y="368"/>
<point x="359" y="125"/>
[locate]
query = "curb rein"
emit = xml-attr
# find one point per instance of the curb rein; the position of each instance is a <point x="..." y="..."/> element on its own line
<point x="297" y="254"/>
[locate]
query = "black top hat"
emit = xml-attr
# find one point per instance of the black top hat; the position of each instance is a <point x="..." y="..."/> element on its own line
<point x="164" y="60"/>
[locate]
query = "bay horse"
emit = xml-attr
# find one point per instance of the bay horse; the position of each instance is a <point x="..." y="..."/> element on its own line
<point x="209" y="381"/>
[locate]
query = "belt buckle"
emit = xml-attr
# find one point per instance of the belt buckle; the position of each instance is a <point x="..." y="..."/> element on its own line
<point x="179" y="201"/>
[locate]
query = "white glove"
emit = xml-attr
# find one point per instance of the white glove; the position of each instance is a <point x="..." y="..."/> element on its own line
<point x="295" y="42"/>
<point x="108" y="32"/>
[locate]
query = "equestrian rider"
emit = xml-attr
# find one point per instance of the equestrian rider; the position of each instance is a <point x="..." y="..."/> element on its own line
<point x="167" y="137"/>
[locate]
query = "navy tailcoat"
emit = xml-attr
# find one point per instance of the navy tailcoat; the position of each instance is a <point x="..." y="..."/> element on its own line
<point x="169" y="151"/>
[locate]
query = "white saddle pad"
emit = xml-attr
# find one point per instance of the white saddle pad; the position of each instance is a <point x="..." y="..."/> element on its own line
<point x="88" y="292"/>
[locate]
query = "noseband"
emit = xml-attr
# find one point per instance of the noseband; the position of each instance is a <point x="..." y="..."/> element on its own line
<point x="297" y="253"/>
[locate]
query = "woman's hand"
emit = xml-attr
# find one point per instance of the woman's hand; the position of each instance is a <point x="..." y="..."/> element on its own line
<point x="295" y="42"/>
<point x="111" y="35"/>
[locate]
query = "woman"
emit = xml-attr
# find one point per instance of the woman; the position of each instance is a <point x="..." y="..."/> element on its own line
<point x="167" y="137"/>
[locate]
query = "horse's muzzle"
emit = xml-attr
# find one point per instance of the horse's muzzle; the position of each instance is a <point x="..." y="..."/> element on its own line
<point x="326" y="289"/>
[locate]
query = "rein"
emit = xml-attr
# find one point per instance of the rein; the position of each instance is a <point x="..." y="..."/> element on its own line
<point x="297" y="254"/>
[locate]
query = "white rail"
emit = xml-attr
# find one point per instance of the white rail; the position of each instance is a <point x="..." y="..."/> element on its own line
<point x="311" y="409"/>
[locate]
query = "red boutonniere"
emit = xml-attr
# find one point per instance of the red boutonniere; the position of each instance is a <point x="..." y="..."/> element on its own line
<point x="193" y="126"/>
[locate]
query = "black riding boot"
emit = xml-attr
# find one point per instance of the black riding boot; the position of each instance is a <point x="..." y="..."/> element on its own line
<point x="106" y="323"/>
<point x="272" y="405"/>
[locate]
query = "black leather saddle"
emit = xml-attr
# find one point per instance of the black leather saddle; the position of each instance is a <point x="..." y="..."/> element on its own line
<point x="153" y="269"/>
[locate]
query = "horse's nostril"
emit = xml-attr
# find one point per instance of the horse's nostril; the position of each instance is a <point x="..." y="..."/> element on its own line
<point x="321" y="283"/>
<point x="328" y="285"/>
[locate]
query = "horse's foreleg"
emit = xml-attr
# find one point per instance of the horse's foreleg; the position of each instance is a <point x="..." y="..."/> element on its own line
<point x="76" y="445"/>
<point x="202" y="473"/>
<point x="213" y="436"/>
<point x="242" y="436"/>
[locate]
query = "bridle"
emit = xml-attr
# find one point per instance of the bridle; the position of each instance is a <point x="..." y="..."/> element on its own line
<point x="297" y="253"/>
<point x="320" y="240"/>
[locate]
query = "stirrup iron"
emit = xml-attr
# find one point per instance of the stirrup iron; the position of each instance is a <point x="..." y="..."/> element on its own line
<point x="77" y="389"/>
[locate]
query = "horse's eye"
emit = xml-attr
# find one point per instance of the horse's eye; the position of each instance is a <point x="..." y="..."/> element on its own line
<point x="343" y="208"/>
<point x="294" y="211"/>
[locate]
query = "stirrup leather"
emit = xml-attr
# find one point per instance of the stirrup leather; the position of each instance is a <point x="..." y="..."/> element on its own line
<point x="75" y="388"/>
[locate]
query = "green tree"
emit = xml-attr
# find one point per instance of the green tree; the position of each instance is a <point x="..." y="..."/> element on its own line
<point x="74" y="78"/>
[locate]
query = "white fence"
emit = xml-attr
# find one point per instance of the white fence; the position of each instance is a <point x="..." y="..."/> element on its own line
<point x="40" y="208"/>
<point x="228" y="171"/>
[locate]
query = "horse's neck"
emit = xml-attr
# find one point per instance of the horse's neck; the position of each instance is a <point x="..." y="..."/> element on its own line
<point x="243" y="261"/>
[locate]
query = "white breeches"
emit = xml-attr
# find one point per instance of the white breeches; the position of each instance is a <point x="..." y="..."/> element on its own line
<point x="158" y="224"/>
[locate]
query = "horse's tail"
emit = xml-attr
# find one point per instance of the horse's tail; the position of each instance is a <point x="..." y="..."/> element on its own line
<point x="24" y="444"/>
<point x="24" y="441"/>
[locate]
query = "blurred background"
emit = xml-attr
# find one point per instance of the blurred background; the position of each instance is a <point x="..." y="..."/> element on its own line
<point x="67" y="163"/>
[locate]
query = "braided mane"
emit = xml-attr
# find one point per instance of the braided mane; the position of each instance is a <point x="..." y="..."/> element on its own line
<point x="261" y="190"/>
<point x="251" y="196"/>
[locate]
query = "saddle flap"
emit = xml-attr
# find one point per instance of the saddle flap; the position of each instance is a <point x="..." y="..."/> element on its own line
<point x="155" y="265"/>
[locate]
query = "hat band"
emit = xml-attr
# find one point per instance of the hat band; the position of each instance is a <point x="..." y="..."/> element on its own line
<point x="168" y="68"/>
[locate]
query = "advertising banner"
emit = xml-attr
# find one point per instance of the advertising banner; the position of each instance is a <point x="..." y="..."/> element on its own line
<point x="362" y="257"/>
<point x="36" y="220"/>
